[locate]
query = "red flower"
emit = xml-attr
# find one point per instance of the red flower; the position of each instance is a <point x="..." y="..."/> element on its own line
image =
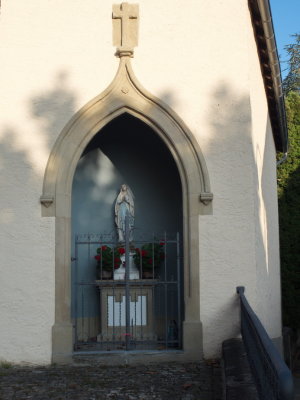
<point x="104" y="248"/>
<point x="162" y="243"/>
<point x="98" y="257"/>
<point x="117" y="260"/>
<point x="150" y="261"/>
<point x="121" y="250"/>
<point x="144" y="253"/>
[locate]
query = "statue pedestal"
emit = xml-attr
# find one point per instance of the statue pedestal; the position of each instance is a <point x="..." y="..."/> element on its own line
<point x="113" y="312"/>
<point x="119" y="274"/>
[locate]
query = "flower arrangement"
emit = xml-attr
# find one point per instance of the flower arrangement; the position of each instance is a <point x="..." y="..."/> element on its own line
<point x="149" y="256"/>
<point x="147" y="259"/>
<point x="108" y="258"/>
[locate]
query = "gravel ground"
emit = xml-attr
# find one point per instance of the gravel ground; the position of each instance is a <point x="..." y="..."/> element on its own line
<point x="184" y="381"/>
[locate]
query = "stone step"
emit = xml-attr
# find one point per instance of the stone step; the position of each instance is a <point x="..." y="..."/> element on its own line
<point x="238" y="380"/>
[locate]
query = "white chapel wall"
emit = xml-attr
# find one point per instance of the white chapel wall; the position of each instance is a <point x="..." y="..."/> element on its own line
<point x="55" y="57"/>
<point x="268" y="296"/>
<point x="250" y="247"/>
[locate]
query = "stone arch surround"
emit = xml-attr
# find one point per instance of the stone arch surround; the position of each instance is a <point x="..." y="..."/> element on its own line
<point x="125" y="95"/>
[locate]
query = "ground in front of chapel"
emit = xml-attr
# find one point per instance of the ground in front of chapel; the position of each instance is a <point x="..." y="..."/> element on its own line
<point x="184" y="381"/>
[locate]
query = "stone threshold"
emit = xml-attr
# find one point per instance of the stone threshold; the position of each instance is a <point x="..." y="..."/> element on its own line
<point x="133" y="357"/>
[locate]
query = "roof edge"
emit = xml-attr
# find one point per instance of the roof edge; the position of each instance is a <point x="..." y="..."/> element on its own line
<point x="270" y="67"/>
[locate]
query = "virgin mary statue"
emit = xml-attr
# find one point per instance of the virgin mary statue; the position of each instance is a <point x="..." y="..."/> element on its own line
<point x="124" y="206"/>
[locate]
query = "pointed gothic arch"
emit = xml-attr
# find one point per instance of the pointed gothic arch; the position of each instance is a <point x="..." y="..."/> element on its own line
<point x="125" y="95"/>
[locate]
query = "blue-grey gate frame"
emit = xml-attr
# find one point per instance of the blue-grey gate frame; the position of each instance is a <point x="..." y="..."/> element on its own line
<point x="90" y="311"/>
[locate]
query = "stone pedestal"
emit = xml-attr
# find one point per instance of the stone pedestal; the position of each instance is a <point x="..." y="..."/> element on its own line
<point x="119" y="274"/>
<point x="113" y="311"/>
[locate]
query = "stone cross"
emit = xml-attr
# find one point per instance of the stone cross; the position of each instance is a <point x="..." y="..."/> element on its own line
<point x="125" y="27"/>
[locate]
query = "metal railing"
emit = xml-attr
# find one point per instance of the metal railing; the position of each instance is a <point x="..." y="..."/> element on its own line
<point x="272" y="377"/>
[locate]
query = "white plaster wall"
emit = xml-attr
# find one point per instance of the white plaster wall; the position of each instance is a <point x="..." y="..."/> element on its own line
<point x="26" y="261"/>
<point x="56" y="56"/>
<point x="241" y="247"/>
<point x="227" y="238"/>
<point x="268" y="292"/>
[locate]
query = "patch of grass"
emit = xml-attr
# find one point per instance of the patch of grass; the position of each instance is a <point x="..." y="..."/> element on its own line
<point x="4" y="373"/>
<point x="5" y="364"/>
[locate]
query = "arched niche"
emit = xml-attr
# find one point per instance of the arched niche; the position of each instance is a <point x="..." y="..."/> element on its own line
<point x="125" y="95"/>
<point x="127" y="151"/>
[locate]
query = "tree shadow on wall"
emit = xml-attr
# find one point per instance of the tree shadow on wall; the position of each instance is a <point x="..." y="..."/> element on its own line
<point x="237" y="253"/>
<point x="54" y="108"/>
<point x="228" y="150"/>
<point x="27" y="256"/>
<point x="24" y="155"/>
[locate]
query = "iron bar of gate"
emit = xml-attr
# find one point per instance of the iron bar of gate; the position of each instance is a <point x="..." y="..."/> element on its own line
<point x="273" y="379"/>
<point x="165" y="289"/>
<point x="86" y="320"/>
<point x="127" y="289"/>
<point x="113" y="328"/>
<point x="178" y="292"/>
<point x="75" y="294"/>
<point x="141" y="308"/>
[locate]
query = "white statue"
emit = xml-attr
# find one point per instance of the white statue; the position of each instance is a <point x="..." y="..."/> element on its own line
<point x="124" y="206"/>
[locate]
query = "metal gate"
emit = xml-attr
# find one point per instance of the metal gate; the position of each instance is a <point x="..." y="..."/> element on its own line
<point x="127" y="296"/>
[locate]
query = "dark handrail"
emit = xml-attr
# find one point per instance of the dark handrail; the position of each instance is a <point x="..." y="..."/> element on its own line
<point x="272" y="377"/>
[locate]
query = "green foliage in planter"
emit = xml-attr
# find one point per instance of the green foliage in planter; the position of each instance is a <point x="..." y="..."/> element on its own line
<point x="289" y="216"/>
<point x="149" y="256"/>
<point x="108" y="258"/>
